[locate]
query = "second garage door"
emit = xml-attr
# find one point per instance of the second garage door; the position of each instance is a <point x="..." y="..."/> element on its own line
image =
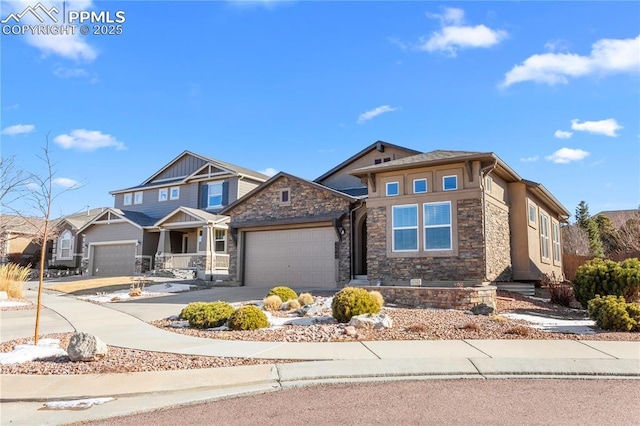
<point x="292" y="257"/>
<point x="114" y="260"/>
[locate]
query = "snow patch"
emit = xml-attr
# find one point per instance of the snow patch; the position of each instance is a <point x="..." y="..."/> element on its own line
<point x="45" y="348"/>
<point x="152" y="290"/>
<point x="555" y="325"/>
<point x="78" y="404"/>
<point x="11" y="304"/>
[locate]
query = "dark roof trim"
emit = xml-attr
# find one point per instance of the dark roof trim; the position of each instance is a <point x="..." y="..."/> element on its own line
<point x="275" y="178"/>
<point x="546" y="196"/>
<point x="287" y="221"/>
<point x="376" y="145"/>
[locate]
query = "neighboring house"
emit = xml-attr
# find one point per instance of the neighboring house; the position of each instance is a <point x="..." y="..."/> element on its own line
<point x="20" y="239"/>
<point x="66" y="245"/>
<point x="442" y="217"/>
<point x="168" y="222"/>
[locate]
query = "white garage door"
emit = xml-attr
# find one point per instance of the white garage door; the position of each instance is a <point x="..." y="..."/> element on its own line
<point x="292" y="257"/>
<point x="114" y="260"/>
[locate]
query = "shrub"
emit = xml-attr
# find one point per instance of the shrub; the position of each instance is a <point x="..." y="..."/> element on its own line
<point x="272" y="303"/>
<point x="293" y="305"/>
<point x="519" y="330"/>
<point x="285" y="293"/>
<point x="305" y="299"/>
<point x="207" y="315"/>
<point x="561" y="293"/>
<point x="614" y="313"/>
<point x="378" y="296"/>
<point x="417" y="328"/>
<point x="11" y="278"/>
<point x="134" y="292"/>
<point x="248" y="318"/>
<point x="351" y="301"/>
<point x="606" y="277"/>
<point x="471" y="326"/>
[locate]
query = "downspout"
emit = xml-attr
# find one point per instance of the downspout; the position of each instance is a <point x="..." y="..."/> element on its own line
<point x="351" y="234"/>
<point x="488" y="170"/>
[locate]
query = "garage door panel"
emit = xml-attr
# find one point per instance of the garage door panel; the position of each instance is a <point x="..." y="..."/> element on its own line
<point x="294" y="257"/>
<point x="114" y="260"/>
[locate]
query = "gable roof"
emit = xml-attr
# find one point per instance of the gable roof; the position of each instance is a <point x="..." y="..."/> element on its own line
<point x="543" y="193"/>
<point x="137" y="219"/>
<point x="619" y="217"/>
<point x="231" y="168"/>
<point x="377" y="145"/>
<point x="202" y="215"/>
<point x="20" y="225"/>
<point x="78" y="220"/>
<point x="290" y="176"/>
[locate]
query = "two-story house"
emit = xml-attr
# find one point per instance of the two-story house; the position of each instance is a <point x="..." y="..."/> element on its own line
<point x="169" y="221"/>
<point x="389" y="215"/>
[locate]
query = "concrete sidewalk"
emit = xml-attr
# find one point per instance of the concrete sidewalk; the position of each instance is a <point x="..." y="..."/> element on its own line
<point x="22" y="396"/>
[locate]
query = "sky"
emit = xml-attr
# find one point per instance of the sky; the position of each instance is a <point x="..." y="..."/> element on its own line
<point x="553" y="88"/>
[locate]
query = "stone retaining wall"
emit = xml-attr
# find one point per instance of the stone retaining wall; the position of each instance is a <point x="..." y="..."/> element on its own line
<point x="463" y="298"/>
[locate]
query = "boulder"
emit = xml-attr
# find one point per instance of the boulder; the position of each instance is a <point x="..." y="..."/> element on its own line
<point x="482" y="309"/>
<point x="371" y="321"/>
<point x="86" y="347"/>
<point x="350" y="331"/>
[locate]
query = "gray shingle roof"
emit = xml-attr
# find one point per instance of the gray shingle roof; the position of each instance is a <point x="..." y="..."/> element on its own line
<point x="437" y="155"/>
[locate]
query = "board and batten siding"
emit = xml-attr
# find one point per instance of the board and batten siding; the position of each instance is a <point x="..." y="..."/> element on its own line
<point x="183" y="167"/>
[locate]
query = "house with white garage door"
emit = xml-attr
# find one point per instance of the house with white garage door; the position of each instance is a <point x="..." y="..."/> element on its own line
<point x="169" y="222"/>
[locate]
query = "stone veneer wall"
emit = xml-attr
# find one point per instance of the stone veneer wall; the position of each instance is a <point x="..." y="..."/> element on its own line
<point x="306" y="201"/>
<point x="463" y="298"/>
<point x="468" y="265"/>
<point x="498" y="244"/>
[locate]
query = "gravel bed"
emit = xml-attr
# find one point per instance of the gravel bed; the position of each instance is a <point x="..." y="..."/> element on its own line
<point x="408" y="324"/>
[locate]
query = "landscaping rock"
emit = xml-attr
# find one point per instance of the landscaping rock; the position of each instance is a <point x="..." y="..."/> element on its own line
<point x="350" y="331"/>
<point x="482" y="309"/>
<point x="371" y="321"/>
<point x="86" y="347"/>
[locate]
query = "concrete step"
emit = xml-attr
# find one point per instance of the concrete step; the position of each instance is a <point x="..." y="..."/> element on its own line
<point x="527" y="289"/>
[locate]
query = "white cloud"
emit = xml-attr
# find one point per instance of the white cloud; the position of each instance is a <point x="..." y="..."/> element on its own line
<point x="529" y="159"/>
<point x="66" y="183"/>
<point x="608" y="56"/>
<point x="453" y="35"/>
<point x="63" y="72"/>
<point x="567" y="155"/>
<point x="70" y="46"/>
<point x="18" y="129"/>
<point x="269" y="171"/>
<point x="368" y="115"/>
<point x="88" y="140"/>
<point x="608" y="127"/>
<point x="562" y="134"/>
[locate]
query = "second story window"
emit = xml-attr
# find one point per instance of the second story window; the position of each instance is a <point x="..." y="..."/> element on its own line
<point x="174" y="193"/>
<point x="163" y="194"/>
<point x="393" y="188"/>
<point x="285" y="196"/>
<point x="214" y="198"/>
<point x="450" y="183"/>
<point x="137" y="197"/>
<point x="128" y="198"/>
<point x="419" y="186"/>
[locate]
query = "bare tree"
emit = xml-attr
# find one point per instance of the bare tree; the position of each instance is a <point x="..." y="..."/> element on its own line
<point x="11" y="178"/>
<point x="576" y="240"/>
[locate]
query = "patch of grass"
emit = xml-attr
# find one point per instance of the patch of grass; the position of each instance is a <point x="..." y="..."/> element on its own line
<point x="471" y="326"/>
<point x="92" y="285"/>
<point x="12" y="277"/>
<point x="519" y="330"/>
<point x="500" y="319"/>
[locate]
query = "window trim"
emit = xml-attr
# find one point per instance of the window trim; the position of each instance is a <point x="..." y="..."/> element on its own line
<point x="425" y="227"/>
<point x="177" y="197"/>
<point x="426" y="186"/>
<point x="281" y="193"/>
<point x="128" y="202"/>
<point x="60" y="243"/>
<point x="387" y="189"/>
<point x="394" y="228"/>
<point x="532" y="208"/>
<point x="544" y="237"/>
<point x="444" y="187"/>
<point x="221" y="195"/>
<point x="489" y="184"/>
<point x="135" y="197"/>
<point x="164" y="191"/>
<point x="216" y="239"/>
<point x="556" y="242"/>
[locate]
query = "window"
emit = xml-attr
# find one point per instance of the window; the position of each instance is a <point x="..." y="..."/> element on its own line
<point x="220" y="237"/>
<point x="127" y="199"/>
<point x="544" y="236"/>
<point x="65" y="245"/>
<point x="532" y="214"/>
<point x="450" y="183"/>
<point x="174" y="193"/>
<point x="393" y="188"/>
<point x="285" y="196"/>
<point x="214" y="195"/>
<point x="405" y="228"/>
<point x="137" y="197"/>
<point x="437" y="226"/>
<point x="163" y="194"/>
<point x="381" y="160"/>
<point x="555" y="235"/>
<point x="489" y="183"/>
<point x="419" y="186"/>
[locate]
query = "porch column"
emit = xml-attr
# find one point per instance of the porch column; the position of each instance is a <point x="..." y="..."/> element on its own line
<point x="164" y="242"/>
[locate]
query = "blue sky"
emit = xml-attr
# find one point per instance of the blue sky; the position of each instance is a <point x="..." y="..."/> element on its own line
<point x="551" y="87"/>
